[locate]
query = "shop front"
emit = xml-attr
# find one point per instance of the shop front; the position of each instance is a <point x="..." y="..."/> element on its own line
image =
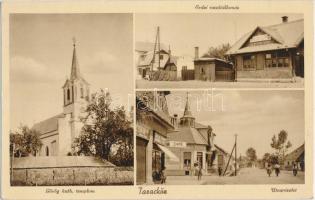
<point x="151" y="151"/>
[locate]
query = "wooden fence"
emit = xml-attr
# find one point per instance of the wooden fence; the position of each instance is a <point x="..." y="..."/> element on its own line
<point x="224" y="75"/>
<point x="163" y="75"/>
<point x="188" y="74"/>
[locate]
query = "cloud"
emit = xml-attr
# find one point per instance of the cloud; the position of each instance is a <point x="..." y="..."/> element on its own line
<point x="24" y="69"/>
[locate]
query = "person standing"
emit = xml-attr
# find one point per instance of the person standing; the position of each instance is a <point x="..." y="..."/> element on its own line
<point x="269" y="169"/>
<point x="163" y="176"/>
<point x="220" y="170"/>
<point x="295" y="169"/>
<point x="277" y="169"/>
<point x="199" y="172"/>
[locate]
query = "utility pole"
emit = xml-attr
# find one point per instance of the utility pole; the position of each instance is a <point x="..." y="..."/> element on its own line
<point x="159" y="48"/>
<point x="235" y="154"/>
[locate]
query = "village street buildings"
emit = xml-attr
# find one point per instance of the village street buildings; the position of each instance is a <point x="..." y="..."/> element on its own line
<point x="272" y="52"/>
<point x="155" y="63"/>
<point x="212" y="69"/>
<point x="58" y="132"/>
<point x="175" y="145"/>
<point x="297" y="157"/>
<point x="193" y="144"/>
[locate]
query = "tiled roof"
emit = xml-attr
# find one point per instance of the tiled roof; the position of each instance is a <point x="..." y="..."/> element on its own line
<point x="148" y="59"/>
<point x="187" y="134"/>
<point x="48" y="125"/>
<point x="146" y="102"/>
<point x="287" y="35"/>
<point x="199" y="126"/>
<point x="294" y="155"/>
<point x="210" y="59"/>
<point x="191" y="135"/>
<point x="59" y="161"/>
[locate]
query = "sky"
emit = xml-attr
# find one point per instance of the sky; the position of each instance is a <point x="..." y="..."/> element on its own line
<point x="183" y="32"/>
<point x="41" y="47"/>
<point x="255" y="116"/>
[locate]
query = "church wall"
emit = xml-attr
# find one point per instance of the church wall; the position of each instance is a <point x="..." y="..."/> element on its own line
<point x="73" y="176"/>
<point x="49" y="142"/>
<point x="64" y="129"/>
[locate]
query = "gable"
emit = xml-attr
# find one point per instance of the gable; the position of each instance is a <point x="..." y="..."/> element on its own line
<point x="259" y="37"/>
<point x="282" y="36"/>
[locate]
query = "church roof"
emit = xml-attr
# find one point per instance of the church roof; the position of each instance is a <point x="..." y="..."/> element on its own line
<point x="59" y="161"/>
<point x="48" y="125"/>
<point x="286" y="35"/>
<point x="75" y="69"/>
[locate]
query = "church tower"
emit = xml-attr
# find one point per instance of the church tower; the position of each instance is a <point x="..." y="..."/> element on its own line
<point x="187" y="119"/>
<point x="76" y="94"/>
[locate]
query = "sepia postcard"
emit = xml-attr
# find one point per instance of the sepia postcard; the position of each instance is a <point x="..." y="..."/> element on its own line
<point x="157" y="99"/>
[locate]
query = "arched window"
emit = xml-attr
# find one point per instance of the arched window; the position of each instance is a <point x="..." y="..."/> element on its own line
<point x="68" y="94"/>
<point x="47" y="151"/>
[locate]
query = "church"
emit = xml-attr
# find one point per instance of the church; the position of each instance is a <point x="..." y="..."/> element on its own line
<point x="58" y="132"/>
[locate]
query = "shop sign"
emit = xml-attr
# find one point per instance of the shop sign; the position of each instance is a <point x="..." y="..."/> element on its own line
<point x="177" y="144"/>
<point x="260" y="38"/>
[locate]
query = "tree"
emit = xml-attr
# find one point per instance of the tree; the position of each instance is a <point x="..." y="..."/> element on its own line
<point x="106" y="132"/>
<point x="251" y="155"/>
<point x="25" y="142"/>
<point x="281" y="144"/>
<point x="218" y="52"/>
<point x="266" y="158"/>
<point x="270" y="158"/>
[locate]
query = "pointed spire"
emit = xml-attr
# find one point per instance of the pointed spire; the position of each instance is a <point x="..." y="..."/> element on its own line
<point x="187" y="112"/>
<point x="75" y="71"/>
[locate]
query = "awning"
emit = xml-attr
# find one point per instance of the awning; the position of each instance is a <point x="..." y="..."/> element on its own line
<point x="169" y="153"/>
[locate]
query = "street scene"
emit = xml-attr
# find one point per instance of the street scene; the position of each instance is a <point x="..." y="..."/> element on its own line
<point x="211" y="137"/>
<point x="243" y="51"/>
<point x="245" y="176"/>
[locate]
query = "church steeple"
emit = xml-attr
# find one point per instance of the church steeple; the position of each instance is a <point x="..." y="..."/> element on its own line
<point x="187" y="112"/>
<point x="75" y="70"/>
<point x="76" y="89"/>
<point x="187" y="119"/>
